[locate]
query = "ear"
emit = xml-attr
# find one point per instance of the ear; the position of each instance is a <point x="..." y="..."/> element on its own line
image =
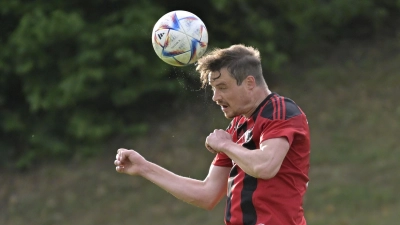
<point x="250" y="82"/>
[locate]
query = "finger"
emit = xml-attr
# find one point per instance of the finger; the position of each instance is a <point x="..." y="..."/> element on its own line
<point x="121" y="154"/>
<point x="119" y="169"/>
<point x="210" y="149"/>
<point x="117" y="163"/>
<point x="206" y="143"/>
<point x="121" y="150"/>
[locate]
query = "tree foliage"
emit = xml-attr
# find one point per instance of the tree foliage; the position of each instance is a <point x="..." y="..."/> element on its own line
<point x="75" y="73"/>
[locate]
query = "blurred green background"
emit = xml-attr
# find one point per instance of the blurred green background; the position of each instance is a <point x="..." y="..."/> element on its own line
<point x="80" y="79"/>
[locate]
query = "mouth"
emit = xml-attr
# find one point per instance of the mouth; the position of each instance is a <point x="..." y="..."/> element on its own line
<point x="223" y="106"/>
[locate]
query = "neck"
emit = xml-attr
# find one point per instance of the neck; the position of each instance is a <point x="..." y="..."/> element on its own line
<point x="259" y="96"/>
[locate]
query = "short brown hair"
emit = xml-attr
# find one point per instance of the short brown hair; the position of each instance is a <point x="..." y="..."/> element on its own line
<point x="239" y="60"/>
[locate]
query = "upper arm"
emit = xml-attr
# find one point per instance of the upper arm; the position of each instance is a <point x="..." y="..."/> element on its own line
<point x="216" y="183"/>
<point x="274" y="150"/>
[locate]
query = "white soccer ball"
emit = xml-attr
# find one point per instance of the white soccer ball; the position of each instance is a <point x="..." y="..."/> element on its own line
<point x="179" y="38"/>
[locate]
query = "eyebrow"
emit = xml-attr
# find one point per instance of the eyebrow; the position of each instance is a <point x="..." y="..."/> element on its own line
<point x="221" y="84"/>
<point x="213" y="79"/>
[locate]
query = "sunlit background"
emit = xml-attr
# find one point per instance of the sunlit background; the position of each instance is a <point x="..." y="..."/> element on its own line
<point x="80" y="79"/>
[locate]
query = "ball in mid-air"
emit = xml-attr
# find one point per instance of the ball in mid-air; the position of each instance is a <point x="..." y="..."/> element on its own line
<point x="179" y="38"/>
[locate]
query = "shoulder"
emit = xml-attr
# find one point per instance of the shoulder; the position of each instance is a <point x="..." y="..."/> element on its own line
<point x="280" y="108"/>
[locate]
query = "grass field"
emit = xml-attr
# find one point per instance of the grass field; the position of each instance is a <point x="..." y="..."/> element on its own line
<point x="351" y="99"/>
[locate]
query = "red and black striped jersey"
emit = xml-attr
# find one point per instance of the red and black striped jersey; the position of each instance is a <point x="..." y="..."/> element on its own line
<point x="279" y="200"/>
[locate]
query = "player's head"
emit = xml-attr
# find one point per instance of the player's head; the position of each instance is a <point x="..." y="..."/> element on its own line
<point x="240" y="61"/>
<point x="235" y="76"/>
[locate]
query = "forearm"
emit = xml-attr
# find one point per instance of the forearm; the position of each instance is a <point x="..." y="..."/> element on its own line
<point x="245" y="159"/>
<point x="186" y="189"/>
<point x="261" y="163"/>
<point x="255" y="163"/>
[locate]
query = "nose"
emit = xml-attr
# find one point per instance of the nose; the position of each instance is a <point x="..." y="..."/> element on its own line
<point x="216" y="96"/>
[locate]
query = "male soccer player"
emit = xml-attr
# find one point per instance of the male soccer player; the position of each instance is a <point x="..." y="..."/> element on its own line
<point x="262" y="158"/>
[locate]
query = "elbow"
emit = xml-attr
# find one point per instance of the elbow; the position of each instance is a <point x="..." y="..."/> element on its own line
<point x="212" y="204"/>
<point x="204" y="205"/>
<point x="209" y="205"/>
<point x="204" y="202"/>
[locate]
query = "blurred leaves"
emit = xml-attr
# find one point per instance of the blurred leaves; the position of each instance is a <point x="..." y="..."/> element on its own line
<point x="64" y="74"/>
<point x="74" y="74"/>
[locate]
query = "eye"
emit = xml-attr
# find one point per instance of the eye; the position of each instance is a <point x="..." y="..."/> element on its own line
<point x="219" y="87"/>
<point x="222" y="87"/>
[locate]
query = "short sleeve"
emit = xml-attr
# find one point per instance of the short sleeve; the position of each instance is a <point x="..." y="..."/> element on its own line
<point x="284" y="128"/>
<point x="221" y="159"/>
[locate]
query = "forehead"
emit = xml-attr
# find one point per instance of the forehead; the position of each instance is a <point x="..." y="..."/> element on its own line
<point x="220" y="77"/>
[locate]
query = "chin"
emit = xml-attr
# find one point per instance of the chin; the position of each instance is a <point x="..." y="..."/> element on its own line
<point x="229" y="115"/>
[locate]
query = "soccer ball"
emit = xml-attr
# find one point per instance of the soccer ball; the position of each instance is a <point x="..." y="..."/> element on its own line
<point x="179" y="38"/>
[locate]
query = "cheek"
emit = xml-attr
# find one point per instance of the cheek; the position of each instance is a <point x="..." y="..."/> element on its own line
<point x="236" y="96"/>
<point x="243" y="100"/>
<point x="237" y="99"/>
